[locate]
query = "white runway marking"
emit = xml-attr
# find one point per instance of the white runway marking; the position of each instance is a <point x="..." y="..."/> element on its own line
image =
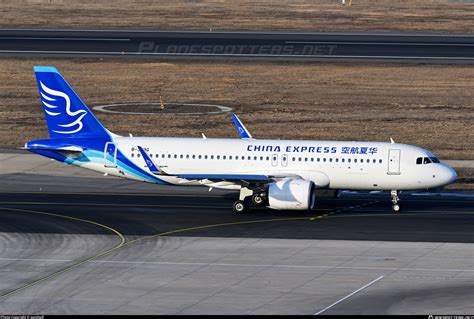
<point x="241" y="265"/>
<point x="237" y="55"/>
<point x="221" y="108"/>
<point x="349" y="295"/>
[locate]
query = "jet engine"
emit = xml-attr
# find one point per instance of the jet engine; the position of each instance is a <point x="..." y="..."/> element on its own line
<point x="294" y="194"/>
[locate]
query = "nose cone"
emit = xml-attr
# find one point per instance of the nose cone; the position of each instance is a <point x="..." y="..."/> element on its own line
<point x="447" y="175"/>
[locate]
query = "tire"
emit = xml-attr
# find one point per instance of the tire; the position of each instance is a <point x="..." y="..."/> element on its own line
<point x="257" y="200"/>
<point x="240" y="207"/>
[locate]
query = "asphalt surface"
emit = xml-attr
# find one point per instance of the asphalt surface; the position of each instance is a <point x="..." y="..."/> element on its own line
<point x="241" y="45"/>
<point x="189" y="254"/>
<point x="368" y="217"/>
<point x="75" y="242"/>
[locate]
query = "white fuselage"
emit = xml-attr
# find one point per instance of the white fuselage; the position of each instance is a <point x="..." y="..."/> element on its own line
<point x="331" y="164"/>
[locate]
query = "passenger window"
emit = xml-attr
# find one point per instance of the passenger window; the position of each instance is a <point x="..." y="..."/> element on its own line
<point x="293" y="159"/>
<point x="261" y="158"/>
<point x="374" y="161"/>
<point x="330" y="159"/>
<point x="212" y="156"/>
<point x="230" y="157"/>
<point x="133" y="155"/>
<point x="312" y="159"/>
<point x="355" y="160"/>
<point x="324" y="159"/>
<point x="175" y="156"/>
<point x="267" y="158"/>
<point x="368" y="161"/>
<point x="342" y="160"/>
<point x="305" y="159"/>
<point x="380" y="161"/>
<point x="319" y="160"/>
<point x="223" y="157"/>
<point x="199" y="156"/>
<point x="299" y="159"/>
<point x="138" y="155"/>
<point x="255" y="158"/>
<point x="218" y="157"/>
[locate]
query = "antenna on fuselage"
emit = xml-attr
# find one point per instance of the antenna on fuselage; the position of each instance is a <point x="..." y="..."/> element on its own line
<point x="392" y="141"/>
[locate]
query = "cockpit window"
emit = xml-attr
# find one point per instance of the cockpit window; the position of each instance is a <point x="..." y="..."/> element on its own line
<point x="426" y="160"/>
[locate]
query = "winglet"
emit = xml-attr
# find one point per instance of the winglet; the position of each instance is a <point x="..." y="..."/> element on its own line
<point x="149" y="163"/>
<point x="243" y="132"/>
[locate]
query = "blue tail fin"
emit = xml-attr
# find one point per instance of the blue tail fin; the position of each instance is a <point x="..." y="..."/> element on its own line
<point x="66" y="115"/>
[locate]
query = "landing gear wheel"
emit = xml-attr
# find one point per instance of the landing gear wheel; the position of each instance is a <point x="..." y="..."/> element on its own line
<point x="395" y="199"/>
<point x="240" y="206"/>
<point x="257" y="199"/>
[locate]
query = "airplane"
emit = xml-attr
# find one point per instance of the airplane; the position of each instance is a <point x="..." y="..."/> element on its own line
<point x="278" y="174"/>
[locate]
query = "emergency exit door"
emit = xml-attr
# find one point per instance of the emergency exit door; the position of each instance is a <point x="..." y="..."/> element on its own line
<point x="284" y="160"/>
<point x="274" y="159"/>
<point x="394" y="162"/>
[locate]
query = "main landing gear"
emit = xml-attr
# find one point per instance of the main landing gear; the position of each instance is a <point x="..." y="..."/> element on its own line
<point x="240" y="206"/>
<point x="395" y="199"/>
<point x="257" y="197"/>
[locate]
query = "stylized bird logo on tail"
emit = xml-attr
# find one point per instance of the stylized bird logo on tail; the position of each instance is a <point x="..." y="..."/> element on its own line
<point x="48" y="97"/>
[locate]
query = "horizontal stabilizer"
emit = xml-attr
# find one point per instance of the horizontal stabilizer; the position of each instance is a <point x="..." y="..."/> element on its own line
<point x="53" y="145"/>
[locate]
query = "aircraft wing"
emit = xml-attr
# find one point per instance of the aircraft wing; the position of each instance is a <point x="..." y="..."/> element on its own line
<point x="242" y="178"/>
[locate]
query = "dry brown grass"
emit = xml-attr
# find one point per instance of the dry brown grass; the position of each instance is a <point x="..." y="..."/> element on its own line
<point x="430" y="106"/>
<point x="315" y="15"/>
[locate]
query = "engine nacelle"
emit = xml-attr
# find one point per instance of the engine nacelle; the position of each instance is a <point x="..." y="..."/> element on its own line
<point x="295" y="194"/>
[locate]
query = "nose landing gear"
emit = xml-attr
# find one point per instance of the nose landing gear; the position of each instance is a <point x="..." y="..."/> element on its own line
<point x="395" y="199"/>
